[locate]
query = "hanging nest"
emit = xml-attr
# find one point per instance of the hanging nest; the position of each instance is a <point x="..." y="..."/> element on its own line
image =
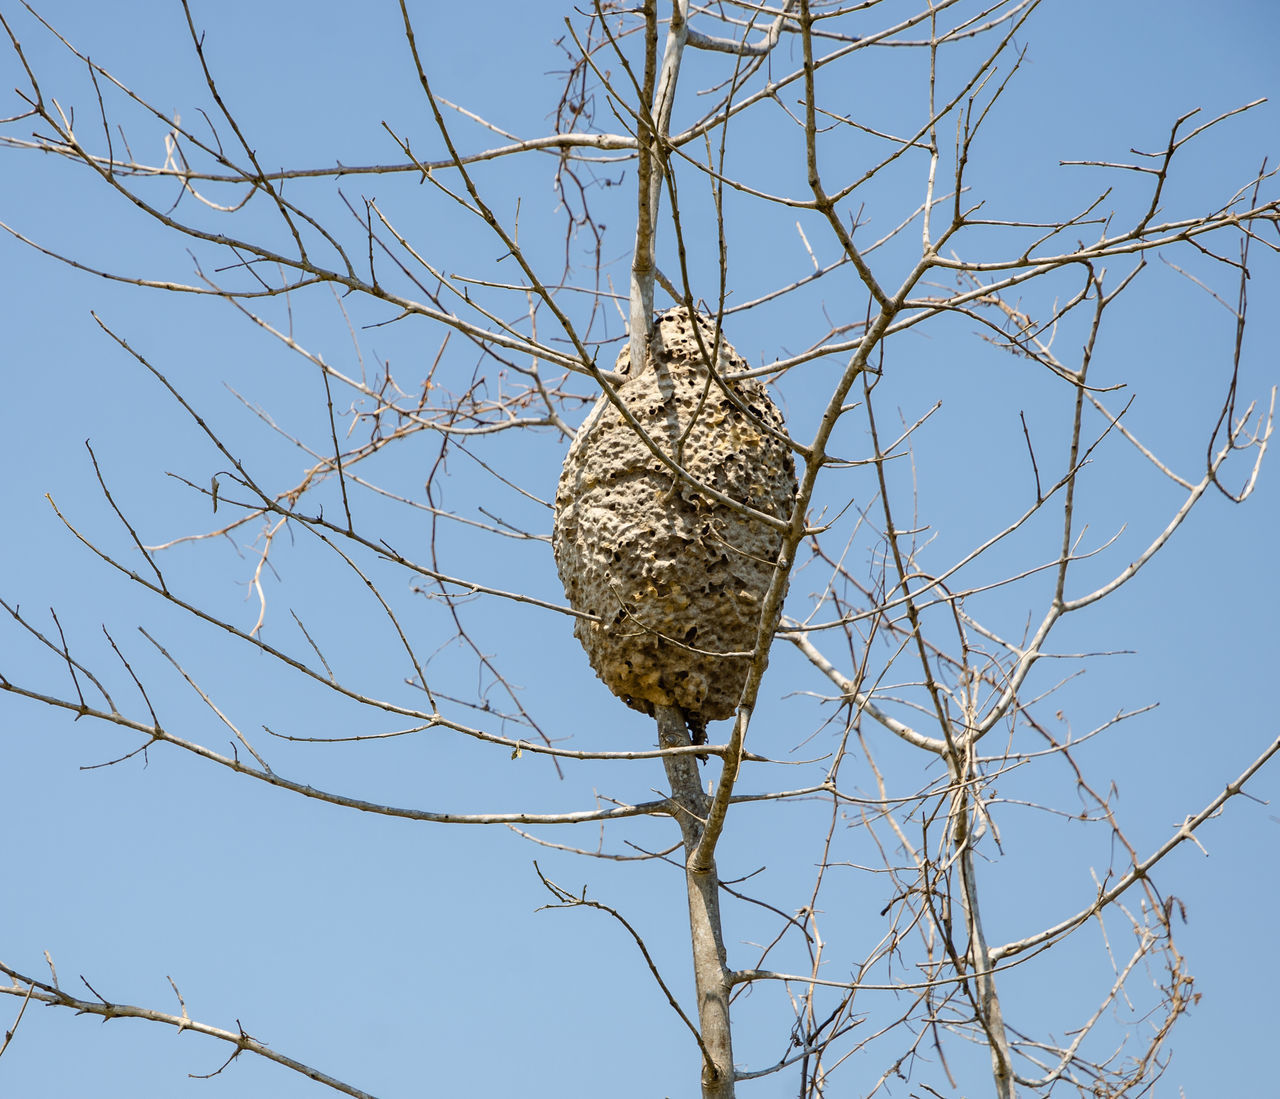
<point x="675" y="579"/>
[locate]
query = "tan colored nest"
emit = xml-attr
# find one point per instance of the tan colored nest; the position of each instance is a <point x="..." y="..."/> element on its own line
<point x="675" y="577"/>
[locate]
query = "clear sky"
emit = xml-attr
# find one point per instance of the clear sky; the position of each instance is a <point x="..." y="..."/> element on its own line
<point x="411" y="958"/>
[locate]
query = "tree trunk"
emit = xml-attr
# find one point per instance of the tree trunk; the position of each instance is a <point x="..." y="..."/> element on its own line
<point x="710" y="972"/>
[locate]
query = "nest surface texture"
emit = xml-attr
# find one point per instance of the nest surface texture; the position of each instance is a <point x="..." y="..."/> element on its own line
<point x="676" y="578"/>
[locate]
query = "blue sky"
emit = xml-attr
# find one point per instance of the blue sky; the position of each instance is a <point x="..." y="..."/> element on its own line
<point x="410" y="958"/>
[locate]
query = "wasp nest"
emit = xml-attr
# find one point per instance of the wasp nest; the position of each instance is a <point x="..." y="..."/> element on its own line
<point x="675" y="578"/>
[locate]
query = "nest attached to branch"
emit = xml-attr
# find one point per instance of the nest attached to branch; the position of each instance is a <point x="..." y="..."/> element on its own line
<point x="675" y="577"/>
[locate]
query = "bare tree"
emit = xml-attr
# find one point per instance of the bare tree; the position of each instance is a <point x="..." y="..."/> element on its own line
<point x="922" y="612"/>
